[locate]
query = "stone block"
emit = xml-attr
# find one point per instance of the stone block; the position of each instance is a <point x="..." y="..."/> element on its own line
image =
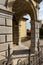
<point x="2" y="38"/>
<point x="36" y="40"/>
<point x="9" y="37"/>
<point x="36" y="30"/>
<point x="9" y="22"/>
<point x="4" y="46"/>
<point x="2" y="21"/>
<point x="8" y="29"/>
<point x="4" y="29"/>
<point x="2" y="55"/>
<point x="2" y="2"/>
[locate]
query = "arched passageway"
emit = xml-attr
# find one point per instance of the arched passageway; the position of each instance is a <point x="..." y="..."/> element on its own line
<point x="22" y="7"/>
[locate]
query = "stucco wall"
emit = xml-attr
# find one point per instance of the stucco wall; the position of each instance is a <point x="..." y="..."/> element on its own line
<point x="23" y="28"/>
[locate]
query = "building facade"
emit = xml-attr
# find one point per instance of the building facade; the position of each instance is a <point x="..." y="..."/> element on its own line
<point x="5" y="30"/>
<point x="11" y="14"/>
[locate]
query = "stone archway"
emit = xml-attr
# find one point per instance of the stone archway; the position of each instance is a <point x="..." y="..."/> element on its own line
<point x="21" y="7"/>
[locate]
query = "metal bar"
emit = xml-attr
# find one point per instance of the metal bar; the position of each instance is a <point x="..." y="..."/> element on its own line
<point x="39" y="52"/>
<point x="29" y="57"/>
<point x="18" y="52"/>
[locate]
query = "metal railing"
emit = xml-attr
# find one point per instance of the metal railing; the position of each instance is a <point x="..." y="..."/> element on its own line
<point x="36" y="58"/>
<point x="33" y="59"/>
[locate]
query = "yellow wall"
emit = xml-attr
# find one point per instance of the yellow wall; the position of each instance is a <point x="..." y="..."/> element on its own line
<point x="23" y="28"/>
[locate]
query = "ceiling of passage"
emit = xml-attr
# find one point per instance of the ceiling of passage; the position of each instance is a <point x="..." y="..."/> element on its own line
<point x="22" y="7"/>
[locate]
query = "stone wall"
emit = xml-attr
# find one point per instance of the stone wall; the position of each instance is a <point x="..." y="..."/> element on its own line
<point x="36" y="34"/>
<point x="5" y="32"/>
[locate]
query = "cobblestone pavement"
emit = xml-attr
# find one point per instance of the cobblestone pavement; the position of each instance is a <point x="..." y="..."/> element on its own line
<point x="28" y="43"/>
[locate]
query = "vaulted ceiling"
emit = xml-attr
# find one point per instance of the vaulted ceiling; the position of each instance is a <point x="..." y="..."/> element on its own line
<point x="22" y="7"/>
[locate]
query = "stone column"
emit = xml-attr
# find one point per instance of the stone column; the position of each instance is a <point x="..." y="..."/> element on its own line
<point x="19" y="32"/>
<point x="36" y="35"/>
<point x="37" y="25"/>
<point x="32" y="36"/>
